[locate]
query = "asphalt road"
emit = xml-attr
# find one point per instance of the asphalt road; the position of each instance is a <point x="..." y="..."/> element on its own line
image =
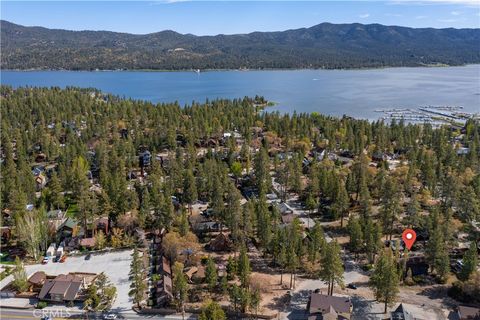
<point x="15" y="314"/>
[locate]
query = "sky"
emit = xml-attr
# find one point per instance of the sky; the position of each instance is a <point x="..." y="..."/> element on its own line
<point x="230" y="17"/>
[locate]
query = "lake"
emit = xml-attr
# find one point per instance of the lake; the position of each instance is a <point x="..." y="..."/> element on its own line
<point x="356" y="93"/>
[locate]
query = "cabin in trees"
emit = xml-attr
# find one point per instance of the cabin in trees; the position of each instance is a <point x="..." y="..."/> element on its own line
<point x="417" y="265"/>
<point x="5" y="232"/>
<point x="326" y="307"/>
<point x="66" y="229"/>
<point x="40" y="182"/>
<point x="221" y="243"/>
<point x="145" y="159"/>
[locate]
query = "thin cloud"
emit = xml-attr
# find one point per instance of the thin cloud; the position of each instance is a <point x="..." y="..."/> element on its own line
<point x="420" y="17"/>
<point x="447" y="20"/>
<point x="455" y="13"/>
<point x="393" y="15"/>
<point x="365" y="15"/>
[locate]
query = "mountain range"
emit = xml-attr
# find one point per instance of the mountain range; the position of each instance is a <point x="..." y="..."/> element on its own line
<point x="324" y="45"/>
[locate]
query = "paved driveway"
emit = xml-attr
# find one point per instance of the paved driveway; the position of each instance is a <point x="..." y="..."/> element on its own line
<point x="116" y="265"/>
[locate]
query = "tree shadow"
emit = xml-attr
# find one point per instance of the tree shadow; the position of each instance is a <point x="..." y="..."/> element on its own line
<point x="362" y="308"/>
<point x="279" y="303"/>
<point x="439" y="293"/>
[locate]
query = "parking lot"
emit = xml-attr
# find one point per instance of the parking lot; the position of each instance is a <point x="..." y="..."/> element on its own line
<point x="116" y="265"/>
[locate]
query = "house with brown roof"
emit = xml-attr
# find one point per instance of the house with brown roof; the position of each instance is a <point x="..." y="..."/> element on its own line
<point x="221" y="243"/>
<point x="195" y="274"/>
<point x="87" y="243"/>
<point x="101" y="224"/>
<point x="64" y="288"/>
<point x="37" y="280"/>
<point x="40" y="182"/>
<point x="326" y="307"/>
<point x="164" y="292"/>
<point x="468" y="313"/>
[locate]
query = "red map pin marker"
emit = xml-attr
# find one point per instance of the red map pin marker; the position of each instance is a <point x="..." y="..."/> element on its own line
<point x="409" y="237"/>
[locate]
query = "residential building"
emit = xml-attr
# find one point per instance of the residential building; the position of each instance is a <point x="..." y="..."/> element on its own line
<point x="468" y="313"/>
<point x="326" y="307"/>
<point x="64" y="288"/>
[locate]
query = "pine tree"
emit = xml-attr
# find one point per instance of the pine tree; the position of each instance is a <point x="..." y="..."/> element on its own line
<point x="211" y="274"/>
<point x="436" y="249"/>
<point x="184" y="226"/>
<point x="137" y="285"/>
<point x="413" y="209"/>
<point x="262" y="171"/>
<point x="244" y="267"/>
<point x="331" y="267"/>
<point x="180" y="286"/>
<point x="55" y="196"/>
<point x="470" y="262"/>
<point x="232" y="268"/>
<point x="317" y="242"/>
<point x="292" y="264"/>
<point x="189" y="188"/>
<point x="282" y="261"/>
<point x="385" y="279"/>
<point x="356" y="236"/>
<point x="365" y="202"/>
<point x="255" y="300"/>
<point x="342" y="202"/>
<point x="233" y="212"/>
<point x="390" y="207"/>
<point x="372" y="234"/>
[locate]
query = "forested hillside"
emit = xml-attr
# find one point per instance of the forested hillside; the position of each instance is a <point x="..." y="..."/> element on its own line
<point x="290" y="186"/>
<point x="322" y="46"/>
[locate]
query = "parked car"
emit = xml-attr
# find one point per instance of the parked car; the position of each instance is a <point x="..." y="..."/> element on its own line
<point x="352" y="286"/>
<point x="110" y="316"/>
<point x="88" y="256"/>
<point x="45" y="260"/>
<point x="46" y="318"/>
<point x="63" y="258"/>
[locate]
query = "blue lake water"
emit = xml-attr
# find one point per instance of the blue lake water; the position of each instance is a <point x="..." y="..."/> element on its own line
<point x="335" y="92"/>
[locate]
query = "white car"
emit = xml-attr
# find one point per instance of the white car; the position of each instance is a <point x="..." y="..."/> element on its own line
<point x="110" y="316"/>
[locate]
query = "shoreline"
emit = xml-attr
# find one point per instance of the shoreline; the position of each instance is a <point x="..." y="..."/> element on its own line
<point x="245" y="70"/>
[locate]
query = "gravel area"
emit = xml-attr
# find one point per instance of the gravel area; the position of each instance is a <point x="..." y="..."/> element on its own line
<point x="116" y="265"/>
